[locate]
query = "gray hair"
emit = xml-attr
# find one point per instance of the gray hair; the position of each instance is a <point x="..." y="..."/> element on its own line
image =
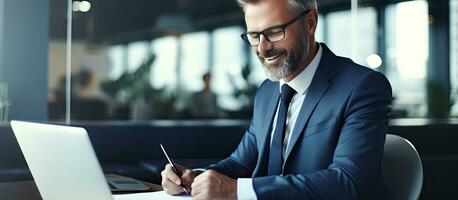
<point x="298" y="5"/>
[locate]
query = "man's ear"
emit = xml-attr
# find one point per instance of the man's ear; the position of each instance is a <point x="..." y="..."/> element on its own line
<point x="312" y="22"/>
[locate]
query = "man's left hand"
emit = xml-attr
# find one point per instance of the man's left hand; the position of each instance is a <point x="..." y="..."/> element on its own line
<point x="213" y="185"/>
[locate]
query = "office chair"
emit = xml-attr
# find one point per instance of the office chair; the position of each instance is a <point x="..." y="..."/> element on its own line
<point x="402" y="171"/>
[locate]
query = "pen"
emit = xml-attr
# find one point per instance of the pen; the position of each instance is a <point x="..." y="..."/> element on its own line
<point x="174" y="168"/>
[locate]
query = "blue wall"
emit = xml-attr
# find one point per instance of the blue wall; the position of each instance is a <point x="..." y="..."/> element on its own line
<point x="24" y="40"/>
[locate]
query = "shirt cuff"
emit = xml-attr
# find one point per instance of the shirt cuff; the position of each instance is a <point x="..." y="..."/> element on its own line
<point x="199" y="169"/>
<point x="245" y="189"/>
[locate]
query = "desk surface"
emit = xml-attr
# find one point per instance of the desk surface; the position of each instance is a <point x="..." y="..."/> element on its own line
<point x="27" y="190"/>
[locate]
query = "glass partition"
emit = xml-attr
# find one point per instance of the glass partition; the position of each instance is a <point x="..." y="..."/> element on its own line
<point x="340" y="34"/>
<point x="407" y="53"/>
<point x="454" y="56"/>
<point x="172" y="60"/>
<point x="228" y="65"/>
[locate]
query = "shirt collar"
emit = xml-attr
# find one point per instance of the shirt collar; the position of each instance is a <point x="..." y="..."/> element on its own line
<point x="302" y="81"/>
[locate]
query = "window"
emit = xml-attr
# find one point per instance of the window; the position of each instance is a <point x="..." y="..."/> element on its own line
<point x="117" y="61"/>
<point x="229" y="58"/>
<point x="137" y="52"/>
<point x="257" y="75"/>
<point x="319" y="33"/>
<point x="454" y="55"/>
<point x="194" y="60"/>
<point x="340" y="34"/>
<point x="407" y="55"/>
<point x="164" y="67"/>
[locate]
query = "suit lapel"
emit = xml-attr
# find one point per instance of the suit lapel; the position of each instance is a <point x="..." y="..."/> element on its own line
<point x="318" y="87"/>
<point x="265" y="132"/>
<point x="312" y="98"/>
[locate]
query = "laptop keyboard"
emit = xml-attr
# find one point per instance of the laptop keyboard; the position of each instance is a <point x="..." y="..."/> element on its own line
<point x="112" y="187"/>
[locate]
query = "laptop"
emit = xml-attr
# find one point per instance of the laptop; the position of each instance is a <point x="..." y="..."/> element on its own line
<point x="62" y="161"/>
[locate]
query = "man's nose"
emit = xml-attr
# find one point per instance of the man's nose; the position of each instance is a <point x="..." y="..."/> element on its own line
<point x="264" y="45"/>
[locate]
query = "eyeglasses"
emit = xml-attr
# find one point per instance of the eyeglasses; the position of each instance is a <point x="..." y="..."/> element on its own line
<point x="272" y="34"/>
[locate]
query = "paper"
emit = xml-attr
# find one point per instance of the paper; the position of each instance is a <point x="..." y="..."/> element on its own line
<point x="150" y="196"/>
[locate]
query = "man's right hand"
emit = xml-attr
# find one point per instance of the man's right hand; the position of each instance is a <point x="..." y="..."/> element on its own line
<point x="171" y="182"/>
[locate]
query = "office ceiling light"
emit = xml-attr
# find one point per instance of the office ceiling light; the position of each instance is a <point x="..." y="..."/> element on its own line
<point x="84" y="6"/>
<point x="374" y="61"/>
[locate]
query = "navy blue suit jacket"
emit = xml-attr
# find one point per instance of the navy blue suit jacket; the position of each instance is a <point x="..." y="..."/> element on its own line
<point x="336" y="145"/>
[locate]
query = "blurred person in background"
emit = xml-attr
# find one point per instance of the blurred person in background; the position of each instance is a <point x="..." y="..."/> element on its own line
<point x="203" y="104"/>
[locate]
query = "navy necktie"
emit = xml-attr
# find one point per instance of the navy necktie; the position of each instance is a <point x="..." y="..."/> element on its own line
<point x="276" y="147"/>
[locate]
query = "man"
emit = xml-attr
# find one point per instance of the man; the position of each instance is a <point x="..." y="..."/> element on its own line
<point x="203" y="104"/>
<point x="317" y="133"/>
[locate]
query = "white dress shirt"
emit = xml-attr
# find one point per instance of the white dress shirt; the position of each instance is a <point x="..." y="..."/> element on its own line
<point x="300" y="84"/>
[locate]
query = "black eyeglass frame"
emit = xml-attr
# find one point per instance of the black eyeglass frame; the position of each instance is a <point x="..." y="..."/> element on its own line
<point x="265" y="32"/>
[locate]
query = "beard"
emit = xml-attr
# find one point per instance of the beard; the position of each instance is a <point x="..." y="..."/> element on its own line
<point x="292" y="61"/>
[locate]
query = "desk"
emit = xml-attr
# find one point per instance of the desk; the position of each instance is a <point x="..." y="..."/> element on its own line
<point x="27" y="190"/>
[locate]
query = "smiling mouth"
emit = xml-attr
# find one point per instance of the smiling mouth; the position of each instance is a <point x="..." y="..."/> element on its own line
<point x="272" y="58"/>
